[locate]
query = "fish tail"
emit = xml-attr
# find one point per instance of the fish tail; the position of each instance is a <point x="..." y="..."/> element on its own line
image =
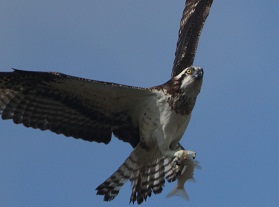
<point x="180" y="192"/>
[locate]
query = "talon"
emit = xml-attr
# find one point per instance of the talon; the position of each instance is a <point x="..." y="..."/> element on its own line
<point x="177" y="167"/>
<point x="179" y="156"/>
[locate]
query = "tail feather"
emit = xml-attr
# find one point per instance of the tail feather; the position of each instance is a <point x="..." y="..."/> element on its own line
<point x="111" y="187"/>
<point x="146" y="178"/>
<point x="180" y="192"/>
<point x="170" y="174"/>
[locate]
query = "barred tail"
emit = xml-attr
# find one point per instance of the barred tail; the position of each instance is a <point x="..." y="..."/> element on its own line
<point x="111" y="187"/>
<point x="146" y="177"/>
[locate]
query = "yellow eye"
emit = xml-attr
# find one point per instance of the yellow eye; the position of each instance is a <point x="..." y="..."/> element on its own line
<point x="189" y="71"/>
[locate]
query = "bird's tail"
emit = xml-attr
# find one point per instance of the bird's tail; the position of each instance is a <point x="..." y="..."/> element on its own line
<point x="146" y="177"/>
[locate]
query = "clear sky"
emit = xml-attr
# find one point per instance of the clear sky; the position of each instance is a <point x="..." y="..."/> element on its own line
<point x="234" y="127"/>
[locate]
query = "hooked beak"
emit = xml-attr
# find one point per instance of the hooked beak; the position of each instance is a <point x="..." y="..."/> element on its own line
<point x="198" y="73"/>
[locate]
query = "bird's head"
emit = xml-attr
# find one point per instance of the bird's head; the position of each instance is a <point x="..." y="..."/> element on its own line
<point x="190" y="80"/>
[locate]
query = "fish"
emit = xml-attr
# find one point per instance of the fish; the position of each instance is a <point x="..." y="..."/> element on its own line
<point x="185" y="172"/>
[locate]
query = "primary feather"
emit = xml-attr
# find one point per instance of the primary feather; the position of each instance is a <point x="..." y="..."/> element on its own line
<point x="152" y="120"/>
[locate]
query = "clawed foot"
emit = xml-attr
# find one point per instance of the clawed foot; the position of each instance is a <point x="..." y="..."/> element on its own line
<point x="179" y="156"/>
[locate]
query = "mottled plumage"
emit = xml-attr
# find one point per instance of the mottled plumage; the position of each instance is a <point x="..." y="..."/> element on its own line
<point x="67" y="105"/>
<point x="191" y="24"/>
<point x="152" y="120"/>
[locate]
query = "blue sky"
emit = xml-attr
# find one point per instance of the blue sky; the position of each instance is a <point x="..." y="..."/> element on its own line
<point x="234" y="127"/>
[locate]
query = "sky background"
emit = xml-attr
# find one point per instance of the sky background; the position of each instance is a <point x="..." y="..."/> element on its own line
<point x="234" y="126"/>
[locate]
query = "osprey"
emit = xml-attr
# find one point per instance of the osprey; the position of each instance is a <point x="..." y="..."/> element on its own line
<point x="152" y="120"/>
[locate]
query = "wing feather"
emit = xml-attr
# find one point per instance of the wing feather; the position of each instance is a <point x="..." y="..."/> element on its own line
<point x="76" y="107"/>
<point x="191" y="24"/>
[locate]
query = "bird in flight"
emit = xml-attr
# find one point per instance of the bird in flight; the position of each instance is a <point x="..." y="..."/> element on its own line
<point x="152" y="120"/>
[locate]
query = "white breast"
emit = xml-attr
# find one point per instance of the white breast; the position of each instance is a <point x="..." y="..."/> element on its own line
<point x="159" y="124"/>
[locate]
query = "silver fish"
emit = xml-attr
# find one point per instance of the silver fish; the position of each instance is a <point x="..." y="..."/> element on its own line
<point x="185" y="172"/>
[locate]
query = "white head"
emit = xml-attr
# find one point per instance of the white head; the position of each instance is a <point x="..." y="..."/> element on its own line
<point x="190" y="80"/>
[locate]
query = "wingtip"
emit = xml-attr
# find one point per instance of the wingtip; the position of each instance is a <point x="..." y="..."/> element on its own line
<point x="17" y="70"/>
<point x="14" y="69"/>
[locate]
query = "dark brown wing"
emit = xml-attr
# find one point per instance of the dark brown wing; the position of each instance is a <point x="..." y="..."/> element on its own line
<point x="191" y="24"/>
<point x="76" y="107"/>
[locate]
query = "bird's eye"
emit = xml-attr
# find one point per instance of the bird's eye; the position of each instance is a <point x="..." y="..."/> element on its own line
<point x="189" y="71"/>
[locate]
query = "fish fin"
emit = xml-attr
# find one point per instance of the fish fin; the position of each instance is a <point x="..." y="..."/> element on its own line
<point x="192" y="179"/>
<point x="180" y="192"/>
<point x="197" y="165"/>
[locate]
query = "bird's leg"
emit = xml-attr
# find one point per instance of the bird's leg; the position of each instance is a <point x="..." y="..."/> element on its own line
<point x="179" y="156"/>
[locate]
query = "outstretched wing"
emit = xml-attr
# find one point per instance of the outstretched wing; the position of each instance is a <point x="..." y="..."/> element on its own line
<point x="76" y="107"/>
<point x="191" y="24"/>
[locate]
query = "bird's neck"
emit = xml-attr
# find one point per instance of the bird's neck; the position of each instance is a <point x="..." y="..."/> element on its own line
<point x="180" y="100"/>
